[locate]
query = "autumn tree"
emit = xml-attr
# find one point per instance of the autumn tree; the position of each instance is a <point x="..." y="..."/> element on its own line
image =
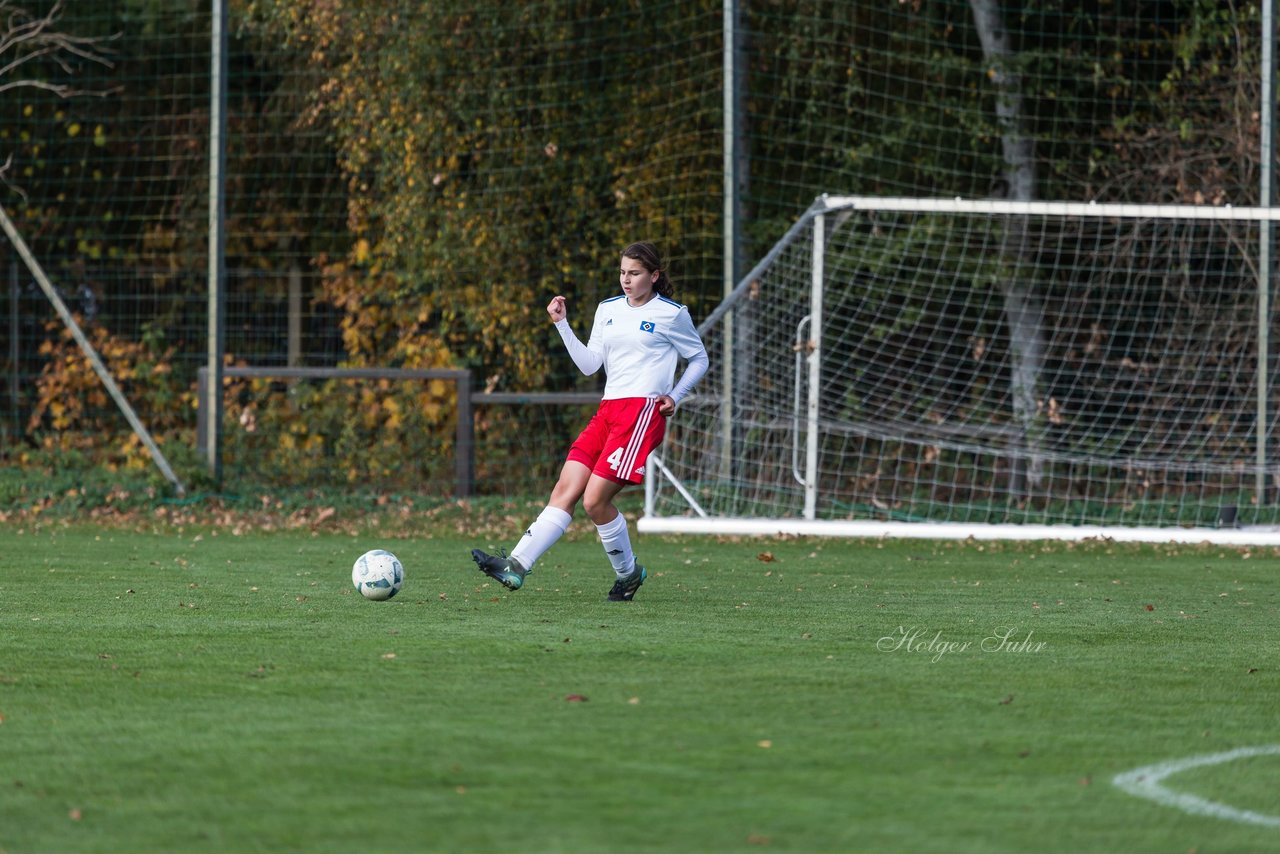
<point x="36" y="53"/>
<point x="497" y="155"/>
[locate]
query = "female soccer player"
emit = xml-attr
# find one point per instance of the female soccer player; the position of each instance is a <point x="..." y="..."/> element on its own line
<point x="637" y="337"/>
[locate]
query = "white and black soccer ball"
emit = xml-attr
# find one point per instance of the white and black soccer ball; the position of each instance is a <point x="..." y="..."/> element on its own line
<point x="378" y="575"/>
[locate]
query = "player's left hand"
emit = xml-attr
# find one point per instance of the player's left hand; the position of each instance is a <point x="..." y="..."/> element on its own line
<point x="666" y="406"/>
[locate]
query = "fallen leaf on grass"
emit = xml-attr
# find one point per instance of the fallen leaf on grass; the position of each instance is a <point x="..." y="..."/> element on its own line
<point x="575" y="698"/>
<point x="765" y="557"/>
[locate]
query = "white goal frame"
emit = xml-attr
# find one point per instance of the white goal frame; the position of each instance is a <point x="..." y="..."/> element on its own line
<point x="803" y="519"/>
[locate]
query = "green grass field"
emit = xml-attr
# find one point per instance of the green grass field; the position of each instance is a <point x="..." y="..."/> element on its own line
<point x="194" y="690"/>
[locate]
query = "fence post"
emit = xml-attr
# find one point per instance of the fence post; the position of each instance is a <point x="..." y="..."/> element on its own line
<point x="217" y="274"/>
<point x="464" y="450"/>
<point x="202" y="411"/>
<point x="15" y="327"/>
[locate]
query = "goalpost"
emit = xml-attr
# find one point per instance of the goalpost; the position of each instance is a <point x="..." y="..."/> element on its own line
<point x="955" y="368"/>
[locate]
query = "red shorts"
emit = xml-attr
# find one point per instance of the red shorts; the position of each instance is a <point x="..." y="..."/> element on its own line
<point x="619" y="437"/>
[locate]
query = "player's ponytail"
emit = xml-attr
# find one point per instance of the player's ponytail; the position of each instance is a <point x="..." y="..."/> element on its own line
<point x="647" y="254"/>
<point x="664" y="285"/>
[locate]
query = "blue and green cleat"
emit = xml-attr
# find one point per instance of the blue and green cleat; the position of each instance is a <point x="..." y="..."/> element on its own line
<point x="502" y="569"/>
<point x="624" y="589"/>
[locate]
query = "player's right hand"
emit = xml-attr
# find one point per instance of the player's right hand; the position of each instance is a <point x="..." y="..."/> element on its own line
<point x="556" y="309"/>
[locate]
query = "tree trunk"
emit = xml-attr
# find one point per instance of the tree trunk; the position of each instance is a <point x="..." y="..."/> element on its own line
<point x="1022" y="308"/>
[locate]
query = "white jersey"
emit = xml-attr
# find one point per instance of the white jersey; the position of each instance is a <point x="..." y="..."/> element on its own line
<point x="639" y="348"/>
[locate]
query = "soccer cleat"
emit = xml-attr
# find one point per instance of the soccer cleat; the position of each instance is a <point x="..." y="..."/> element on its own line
<point x="624" y="589"/>
<point x="502" y="569"/>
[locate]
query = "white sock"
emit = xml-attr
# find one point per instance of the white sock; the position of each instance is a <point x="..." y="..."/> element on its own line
<point x="551" y="523"/>
<point x="617" y="545"/>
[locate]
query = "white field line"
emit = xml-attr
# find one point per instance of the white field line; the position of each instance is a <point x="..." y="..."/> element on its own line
<point x="1147" y="782"/>
<point x="1268" y="535"/>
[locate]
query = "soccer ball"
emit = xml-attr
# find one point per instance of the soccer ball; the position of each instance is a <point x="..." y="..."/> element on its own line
<point x="378" y="575"/>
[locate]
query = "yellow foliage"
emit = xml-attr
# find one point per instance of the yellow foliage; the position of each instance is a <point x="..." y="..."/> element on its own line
<point x="70" y="395"/>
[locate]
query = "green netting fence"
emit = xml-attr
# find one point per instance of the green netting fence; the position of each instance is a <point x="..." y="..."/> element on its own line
<point x="408" y="183"/>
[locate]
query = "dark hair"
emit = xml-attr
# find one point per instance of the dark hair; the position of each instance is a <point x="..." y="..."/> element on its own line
<point x="647" y="254"/>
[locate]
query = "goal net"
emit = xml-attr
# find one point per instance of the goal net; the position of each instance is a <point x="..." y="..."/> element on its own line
<point x="949" y="368"/>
